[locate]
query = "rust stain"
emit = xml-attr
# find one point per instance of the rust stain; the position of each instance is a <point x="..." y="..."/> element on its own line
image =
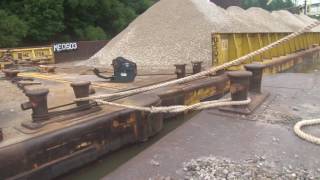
<point x="200" y="94"/>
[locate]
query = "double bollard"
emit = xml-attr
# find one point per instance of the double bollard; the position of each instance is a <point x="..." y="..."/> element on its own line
<point x="244" y="82"/>
<point x="181" y="69"/>
<point x="39" y="104"/>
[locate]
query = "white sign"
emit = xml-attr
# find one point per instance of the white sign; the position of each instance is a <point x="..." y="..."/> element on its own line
<point x="65" y="47"/>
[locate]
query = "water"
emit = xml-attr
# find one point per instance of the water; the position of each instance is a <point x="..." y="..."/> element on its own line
<point x="108" y="163"/>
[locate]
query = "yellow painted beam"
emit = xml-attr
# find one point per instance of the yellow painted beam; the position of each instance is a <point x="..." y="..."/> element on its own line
<point x="229" y="46"/>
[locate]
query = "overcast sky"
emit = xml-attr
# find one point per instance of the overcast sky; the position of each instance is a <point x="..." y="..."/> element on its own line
<point x="310" y="1"/>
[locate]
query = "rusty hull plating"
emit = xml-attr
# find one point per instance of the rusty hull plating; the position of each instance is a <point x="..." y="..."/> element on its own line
<point x="52" y="149"/>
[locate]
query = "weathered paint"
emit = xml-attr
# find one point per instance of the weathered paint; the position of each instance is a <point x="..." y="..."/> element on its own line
<point x="229" y="46"/>
<point x="285" y="63"/>
<point x="198" y="95"/>
<point x="34" y="54"/>
<point x="46" y="152"/>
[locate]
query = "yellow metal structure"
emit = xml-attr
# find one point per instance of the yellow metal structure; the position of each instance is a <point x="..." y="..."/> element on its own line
<point x="34" y="55"/>
<point x="230" y="46"/>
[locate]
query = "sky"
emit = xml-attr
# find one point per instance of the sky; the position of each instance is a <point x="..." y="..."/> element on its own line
<point x="310" y="1"/>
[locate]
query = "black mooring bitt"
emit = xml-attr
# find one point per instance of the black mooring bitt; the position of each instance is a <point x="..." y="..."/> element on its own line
<point x="257" y="73"/>
<point x="239" y="84"/>
<point x="10" y="73"/>
<point x="245" y="85"/>
<point x="180" y="70"/>
<point x="38" y="103"/>
<point x="81" y="90"/>
<point x="196" y="66"/>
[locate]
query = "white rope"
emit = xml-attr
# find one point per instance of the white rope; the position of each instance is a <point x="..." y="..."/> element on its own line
<point x="207" y="72"/>
<point x="180" y="108"/>
<point x="308" y="137"/>
<point x="211" y="104"/>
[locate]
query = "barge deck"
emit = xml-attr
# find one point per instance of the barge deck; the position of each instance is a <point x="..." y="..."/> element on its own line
<point x="266" y="133"/>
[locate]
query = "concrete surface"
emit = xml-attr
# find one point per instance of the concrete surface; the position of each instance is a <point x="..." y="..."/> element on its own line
<point x="268" y="132"/>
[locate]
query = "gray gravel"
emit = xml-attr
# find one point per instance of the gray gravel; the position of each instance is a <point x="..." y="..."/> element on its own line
<point x="179" y="31"/>
<point x="212" y="168"/>
<point x="170" y="32"/>
<point x="266" y="18"/>
<point x="288" y="19"/>
<point x="308" y="20"/>
<point x="255" y="24"/>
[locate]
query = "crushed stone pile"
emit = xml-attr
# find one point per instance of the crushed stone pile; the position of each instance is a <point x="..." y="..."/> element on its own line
<point x="271" y="22"/>
<point x="287" y="18"/>
<point x="241" y="15"/>
<point x="308" y="20"/>
<point x="179" y="32"/>
<point x="170" y="32"/>
<point x="212" y="168"/>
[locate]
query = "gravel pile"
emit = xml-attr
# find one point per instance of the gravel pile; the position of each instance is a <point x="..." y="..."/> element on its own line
<point x="288" y="19"/>
<point x="241" y="15"/>
<point x="308" y="20"/>
<point x="266" y="18"/>
<point x="212" y="168"/>
<point x="179" y="31"/>
<point x="170" y="32"/>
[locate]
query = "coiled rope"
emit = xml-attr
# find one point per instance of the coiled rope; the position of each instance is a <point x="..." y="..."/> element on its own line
<point x="210" y="104"/>
<point x="308" y="137"/>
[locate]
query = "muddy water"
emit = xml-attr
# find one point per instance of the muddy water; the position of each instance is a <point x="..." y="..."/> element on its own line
<point x="108" y="163"/>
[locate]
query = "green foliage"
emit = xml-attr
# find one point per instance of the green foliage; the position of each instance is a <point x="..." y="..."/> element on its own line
<point x="274" y="5"/>
<point x="52" y="20"/>
<point x="91" y="33"/>
<point x="12" y="29"/>
<point x="44" y="17"/>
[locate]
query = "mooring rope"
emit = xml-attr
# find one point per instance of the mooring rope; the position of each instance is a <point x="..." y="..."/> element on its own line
<point x="207" y="72"/>
<point x="308" y="137"/>
<point x="102" y="99"/>
<point x="180" y="108"/>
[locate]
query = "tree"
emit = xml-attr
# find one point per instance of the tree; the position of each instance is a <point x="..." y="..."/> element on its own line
<point x="267" y="4"/>
<point x="92" y="33"/>
<point x="44" y="18"/>
<point x="12" y="29"/>
<point x="53" y="20"/>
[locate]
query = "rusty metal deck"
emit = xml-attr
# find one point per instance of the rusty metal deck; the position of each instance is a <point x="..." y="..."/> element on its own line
<point x="60" y="91"/>
<point x="268" y="132"/>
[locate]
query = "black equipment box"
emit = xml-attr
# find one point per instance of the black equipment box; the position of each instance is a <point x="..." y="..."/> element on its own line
<point x="124" y="70"/>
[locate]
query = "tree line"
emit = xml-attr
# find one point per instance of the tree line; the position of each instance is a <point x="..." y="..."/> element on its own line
<point x="27" y="22"/>
<point x="268" y="4"/>
<point x="38" y="21"/>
